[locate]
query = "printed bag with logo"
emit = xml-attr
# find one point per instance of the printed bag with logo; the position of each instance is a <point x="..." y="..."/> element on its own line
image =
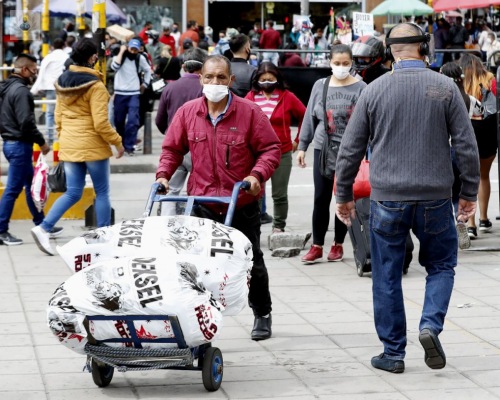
<point x="39" y="188"/>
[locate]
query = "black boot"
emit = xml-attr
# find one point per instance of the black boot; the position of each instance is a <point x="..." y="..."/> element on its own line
<point x="262" y="328"/>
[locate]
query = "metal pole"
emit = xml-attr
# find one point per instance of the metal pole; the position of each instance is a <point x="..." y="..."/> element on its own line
<point x="99" y="30"/>
<point x="45" y="28"/>
<point x="262" y="15"/>
<point x="1" y="32"/>
<point x="80" y="20"/>
<point x="304" y="7"/>
<point x="26" y="37"/>
<point x="148" y="140"/>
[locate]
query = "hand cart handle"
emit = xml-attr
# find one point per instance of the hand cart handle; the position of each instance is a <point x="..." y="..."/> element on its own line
<point x="155" y="197"/>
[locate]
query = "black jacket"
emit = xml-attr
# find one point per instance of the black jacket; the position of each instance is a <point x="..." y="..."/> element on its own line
<point x="244" y="74"/>
<point x="458" y="35"/>
<point x="17" y="116"/>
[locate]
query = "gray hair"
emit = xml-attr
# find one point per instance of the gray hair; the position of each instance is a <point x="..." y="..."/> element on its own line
<point x="194" y="59"/>
<point x="219" y="58"/>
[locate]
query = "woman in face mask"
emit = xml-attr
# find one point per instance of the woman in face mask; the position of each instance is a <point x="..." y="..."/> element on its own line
<point x="280" y="105"/>
<point x="85" y="136"/>
<point x="327" y="121"/>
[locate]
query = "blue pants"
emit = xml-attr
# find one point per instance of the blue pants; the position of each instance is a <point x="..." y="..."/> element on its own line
<point x="75" y="182"/>
<point x="49" y="115"/>
<point x="433" y="224"/>
<point x="127" y="109"/>
<point x="20" y="158"/>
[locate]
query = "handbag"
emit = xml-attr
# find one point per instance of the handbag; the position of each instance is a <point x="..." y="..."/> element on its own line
<point x="361" y="187"/>
<point x="39" y="189"/>
<point x="330" y="148"/>
<point x="56" y="179"/>
<point x="489" y="102"/>
<point x="158" y="84"/>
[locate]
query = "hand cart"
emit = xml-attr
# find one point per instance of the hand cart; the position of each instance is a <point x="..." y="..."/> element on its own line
<point x="102" y="360"/>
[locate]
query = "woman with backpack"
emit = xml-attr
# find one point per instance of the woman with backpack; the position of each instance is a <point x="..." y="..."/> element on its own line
<point x="330" y="106"/>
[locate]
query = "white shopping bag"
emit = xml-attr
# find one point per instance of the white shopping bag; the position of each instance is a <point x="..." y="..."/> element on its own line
<point x="39" y="188"/>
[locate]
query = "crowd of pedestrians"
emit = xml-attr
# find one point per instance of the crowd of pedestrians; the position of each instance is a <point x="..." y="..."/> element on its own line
<point x="227" y="117"/>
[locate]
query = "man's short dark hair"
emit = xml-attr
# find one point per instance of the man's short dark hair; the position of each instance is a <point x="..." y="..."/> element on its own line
<point x="148" y="23"/>
<point x="24" y="59"/>
<point x="270" y="22"/>
<point x="175" y="23"/>
<point x="194" y="59"/>
<point x="58" y="43"/>
<point x="219" y="58"/>
<point x="203" y="45"/>
<point x="70" y="40"/>
<point x="238" y="42"/>
<point x="191" y="23"/>
<point x="459" y="20"/>
<point x="84" y="49"/>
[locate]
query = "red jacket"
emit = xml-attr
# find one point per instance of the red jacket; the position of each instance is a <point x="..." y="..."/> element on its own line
<point x="143" y="36"/>
<point x="243" y="143"/>
<point x="288" y="106"/>
<point x="270" y="39"/>
<point x="170" y="41"/>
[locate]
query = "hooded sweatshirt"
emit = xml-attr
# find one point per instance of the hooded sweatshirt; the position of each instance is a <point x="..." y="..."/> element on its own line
<point x="81" y="116"/>
<point x="17" y="117"/>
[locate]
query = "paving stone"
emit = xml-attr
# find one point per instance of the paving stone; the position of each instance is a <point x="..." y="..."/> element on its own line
<point x="486" y="379"/>
<point x="19" y="367"/>
<point x="258" y="389"/>
<point x="348" y="385"/>
<point x="365" y="396"/>
<point x="177" y="392"/>
<point x="80" y="380"/>
<point x="299" y="343"/>
<point x="475" y="363"/>
<point x="331" y="370"/>
<point x="21" y="382"/>
<point x="432" y="380"/>
<point x="24" y="395"/>
<point x="451" y="394"/>
<point x="286" y="252"/>
<point x="277" y="240"/>
<point x="110" y="392"/>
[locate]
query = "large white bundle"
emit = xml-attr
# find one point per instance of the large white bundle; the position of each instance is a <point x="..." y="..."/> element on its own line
<point x="223" y="255"/>
<point x="134" y="286"/>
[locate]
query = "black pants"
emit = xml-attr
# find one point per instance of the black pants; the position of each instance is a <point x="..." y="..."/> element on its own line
<point x="323" y="192"/>
<point x="247" y="221"/>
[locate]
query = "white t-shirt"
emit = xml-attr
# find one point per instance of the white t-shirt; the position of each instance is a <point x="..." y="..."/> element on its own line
<point x="475" y="109"/>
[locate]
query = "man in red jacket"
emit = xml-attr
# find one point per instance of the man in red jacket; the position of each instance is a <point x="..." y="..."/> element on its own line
<point x="168" y="39"/>
<point x="230" y="140"/>
<point x="270" y="39"/>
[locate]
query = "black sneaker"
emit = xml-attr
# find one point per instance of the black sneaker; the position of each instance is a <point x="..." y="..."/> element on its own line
<point x="485" y="225"/>
<point x="434" y="354"/>
<point x="472" y="232"/>
<point x="386" y="364"/>
<point x="265" y="219"/>
<point x="56" y="231"/>
<point x="9" y="240"/>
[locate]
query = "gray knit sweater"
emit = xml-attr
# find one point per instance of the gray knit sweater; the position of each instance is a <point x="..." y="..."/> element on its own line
<point x="409" y="117"/>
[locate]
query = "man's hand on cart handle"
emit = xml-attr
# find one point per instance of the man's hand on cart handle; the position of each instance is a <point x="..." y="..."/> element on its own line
<point x="255" y="185"/>
<point x="164" y="188"/>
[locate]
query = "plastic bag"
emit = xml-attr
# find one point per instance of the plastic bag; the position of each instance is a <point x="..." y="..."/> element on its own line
<point x="361" y="187"/>
<point x="222" y="255"/>
<point x="56" y="179"/>
<point x="39" y="189"/>
<point x="134" y="286"/>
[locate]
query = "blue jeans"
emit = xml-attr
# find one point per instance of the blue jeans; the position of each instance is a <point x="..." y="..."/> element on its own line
<point x="433" y="224"/>
<point x="270" y="57"/>
<point x="49" y="115"/>
<point x="20" y="158"/>
<point x="75" y="182"/>
<point x="127" y="109"/>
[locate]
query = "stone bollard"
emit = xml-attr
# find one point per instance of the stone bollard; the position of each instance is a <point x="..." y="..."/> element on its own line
<point x="285" y="239"/>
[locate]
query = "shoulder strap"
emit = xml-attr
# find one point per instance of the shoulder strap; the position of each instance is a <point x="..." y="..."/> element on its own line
<point x="166" y="66"/>
<point x="326" y="84"/>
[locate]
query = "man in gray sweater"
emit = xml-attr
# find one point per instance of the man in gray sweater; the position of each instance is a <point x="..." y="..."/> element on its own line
<point x="409" y="116"/>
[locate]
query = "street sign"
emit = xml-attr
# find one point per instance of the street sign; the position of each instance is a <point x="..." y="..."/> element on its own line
<point x="362" y="24"/>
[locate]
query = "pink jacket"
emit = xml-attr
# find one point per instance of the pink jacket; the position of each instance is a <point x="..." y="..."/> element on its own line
<point x="243" y="143"/>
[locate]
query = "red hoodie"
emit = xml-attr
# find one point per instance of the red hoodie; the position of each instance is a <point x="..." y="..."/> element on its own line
<point x="243" y="143"/>
<point x="288" y="106"/>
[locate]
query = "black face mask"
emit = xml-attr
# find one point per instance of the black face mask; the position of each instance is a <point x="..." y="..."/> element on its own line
<point x="130" y="56"/>
<point x="268" y="87"/>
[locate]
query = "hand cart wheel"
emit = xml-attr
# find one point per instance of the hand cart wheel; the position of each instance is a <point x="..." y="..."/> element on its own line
<point x="102" y="376"/>
<point x="359" y="267"/>
<point x="213" y="369"/>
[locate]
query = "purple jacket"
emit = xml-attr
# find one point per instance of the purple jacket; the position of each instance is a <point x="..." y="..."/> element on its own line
<point x="175" y="95"/>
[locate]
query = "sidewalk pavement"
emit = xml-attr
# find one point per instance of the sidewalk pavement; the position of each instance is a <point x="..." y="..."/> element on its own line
<point x="323" y="331"/>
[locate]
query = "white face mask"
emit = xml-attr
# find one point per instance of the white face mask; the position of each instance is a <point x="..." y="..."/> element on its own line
<point x="340" y="72"/>
<point x="488" y="41"/>
<point x="150" y="41"/>
<point x="215" y="93"/>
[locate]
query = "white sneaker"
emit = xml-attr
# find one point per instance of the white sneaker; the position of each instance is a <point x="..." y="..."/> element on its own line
<point x="42" y="239"/>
